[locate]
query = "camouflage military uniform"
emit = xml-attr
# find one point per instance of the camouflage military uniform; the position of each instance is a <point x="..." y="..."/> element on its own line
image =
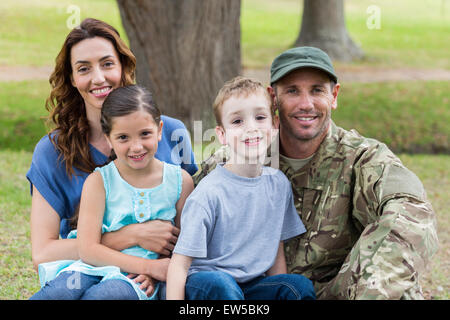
<point x="370" y="229"/>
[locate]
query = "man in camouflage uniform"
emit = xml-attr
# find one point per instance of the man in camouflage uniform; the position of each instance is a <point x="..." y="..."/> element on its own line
<point x="370" y="229"/>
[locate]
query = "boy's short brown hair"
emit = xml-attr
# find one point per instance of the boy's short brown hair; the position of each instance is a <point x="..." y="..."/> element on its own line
<point x="236" y="87"/>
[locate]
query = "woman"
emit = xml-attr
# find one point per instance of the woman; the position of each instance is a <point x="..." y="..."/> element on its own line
<point x="93" y="61"/>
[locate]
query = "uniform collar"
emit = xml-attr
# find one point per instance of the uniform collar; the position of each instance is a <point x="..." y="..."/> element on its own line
<point x="316" y="172"/>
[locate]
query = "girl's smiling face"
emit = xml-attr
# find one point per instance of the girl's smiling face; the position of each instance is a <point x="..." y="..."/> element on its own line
<point x="96" y="70"/>
<point x="134" y="139"/>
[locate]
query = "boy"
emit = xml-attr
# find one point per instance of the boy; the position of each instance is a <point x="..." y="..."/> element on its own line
<point x="234" y="223"/>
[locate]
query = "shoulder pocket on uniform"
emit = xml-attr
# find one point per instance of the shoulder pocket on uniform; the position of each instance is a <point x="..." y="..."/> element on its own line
<point x="398" y="179"/>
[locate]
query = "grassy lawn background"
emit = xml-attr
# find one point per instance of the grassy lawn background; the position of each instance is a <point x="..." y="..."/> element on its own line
<point x="412" y="34"/>
<point x="19" y="280"/>
<point x="396" y="113"/>
<point x="408" y="116"/>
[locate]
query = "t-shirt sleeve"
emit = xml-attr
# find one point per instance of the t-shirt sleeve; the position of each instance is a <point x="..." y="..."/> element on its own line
<point x="196" y="226"/>
<point x="292" y="224"/>
<point x="43" y="174"/>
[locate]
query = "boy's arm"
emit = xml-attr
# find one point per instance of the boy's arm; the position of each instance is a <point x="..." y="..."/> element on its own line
<point x="279" y="267"/>
<point x="176" y="276"/>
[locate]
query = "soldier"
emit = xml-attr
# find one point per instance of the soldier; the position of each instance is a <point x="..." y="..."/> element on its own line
<point x="370" y="228"/>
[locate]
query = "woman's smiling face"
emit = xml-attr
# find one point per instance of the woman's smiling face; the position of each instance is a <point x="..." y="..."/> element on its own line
<point x="96" y="70"/>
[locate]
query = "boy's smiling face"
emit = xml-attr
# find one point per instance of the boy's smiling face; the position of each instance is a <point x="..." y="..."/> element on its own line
<point x="246" y="127"/>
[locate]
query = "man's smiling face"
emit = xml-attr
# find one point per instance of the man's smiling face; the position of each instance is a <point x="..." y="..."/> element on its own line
<point x="305" y="98"/>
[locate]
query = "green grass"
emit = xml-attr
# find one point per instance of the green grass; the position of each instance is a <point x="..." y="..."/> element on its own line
<point x="19" y="280"/>
<point x="409" y="117"/>
<point x="21" y="111"/>
<point x="413" y="33"/>
<point x="434" y="171"/>
<point x="267" y="29"/>
<point x="32" y="32"/>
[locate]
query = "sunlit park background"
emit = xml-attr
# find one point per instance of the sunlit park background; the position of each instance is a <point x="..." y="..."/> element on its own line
<point x="398" y="93"/>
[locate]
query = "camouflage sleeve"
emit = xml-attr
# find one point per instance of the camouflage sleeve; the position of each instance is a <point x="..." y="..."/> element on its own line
<point x="220" y="156"/>
<point x="399" y="232"/>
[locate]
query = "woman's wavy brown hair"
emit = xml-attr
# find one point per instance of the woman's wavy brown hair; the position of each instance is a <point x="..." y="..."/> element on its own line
<point x="70" y="132"/>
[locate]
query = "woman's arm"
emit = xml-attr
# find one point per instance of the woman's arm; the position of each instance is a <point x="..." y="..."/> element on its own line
<point x="90" y="248"/>
<point x="45" y="243"/>
<point x="279" y="267"/>
<point x="155" y="235"/>
<point x="176" y="276"/>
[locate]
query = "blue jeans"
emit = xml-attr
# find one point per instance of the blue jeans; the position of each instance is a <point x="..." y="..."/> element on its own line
<point x="217" y="285"/>
<point x="79" y="286"/>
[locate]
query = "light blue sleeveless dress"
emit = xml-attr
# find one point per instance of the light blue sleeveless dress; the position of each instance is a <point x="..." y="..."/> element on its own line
<point x="125" y="205"/>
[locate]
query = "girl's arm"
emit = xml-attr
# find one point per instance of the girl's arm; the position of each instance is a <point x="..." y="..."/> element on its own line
<point x="187" y="187"/>
<point x="179" y="264"/>
<point x="45" y="243"/>
<point x="176" y="276"/>
<point x="90" y="248"/>
<point x="279" y="267"/>
<point x="156" y="235"/>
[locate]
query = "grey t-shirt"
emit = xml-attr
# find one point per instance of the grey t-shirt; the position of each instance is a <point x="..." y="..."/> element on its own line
<point x="234" y="224"/>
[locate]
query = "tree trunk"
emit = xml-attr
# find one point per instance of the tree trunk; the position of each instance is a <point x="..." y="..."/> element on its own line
<point x="323" y="26"/>
<point x="185" y="51"/>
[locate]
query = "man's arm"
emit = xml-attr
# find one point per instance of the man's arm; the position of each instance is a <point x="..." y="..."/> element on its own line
<point x="221" y="155"/>
<point x="394" y="250"/>
<point x="399" y="235"/>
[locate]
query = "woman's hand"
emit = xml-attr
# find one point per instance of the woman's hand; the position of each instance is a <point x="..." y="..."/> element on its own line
<point x="158" y="236"/>
<point x="147" y="284"/>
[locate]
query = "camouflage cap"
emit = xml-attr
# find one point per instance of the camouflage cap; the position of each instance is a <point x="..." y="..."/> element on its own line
<point x="301" y="57"/>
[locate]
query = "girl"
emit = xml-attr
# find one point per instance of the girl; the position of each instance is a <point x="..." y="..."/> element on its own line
<point x="93" y="61"/>
<point x="134" y="188"/>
